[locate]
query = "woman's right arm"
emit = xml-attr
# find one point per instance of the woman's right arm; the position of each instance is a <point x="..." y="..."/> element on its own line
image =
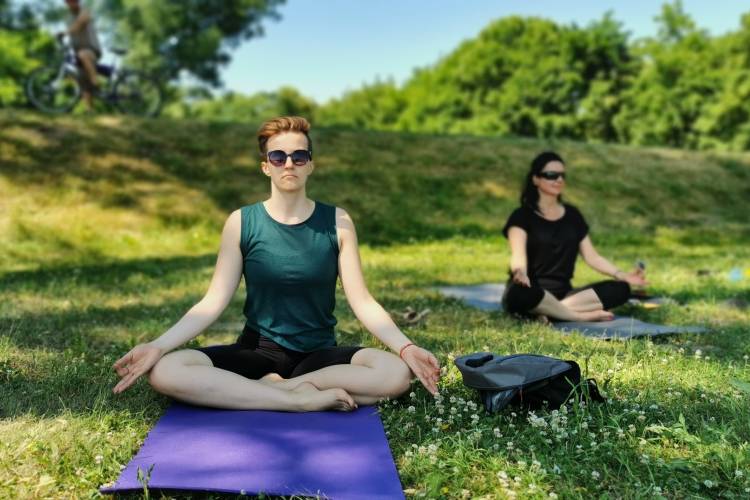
<point x="518" y="263"/>
<point x="224" y="282"/>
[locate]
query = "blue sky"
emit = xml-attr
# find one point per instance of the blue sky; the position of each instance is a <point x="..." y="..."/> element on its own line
<point x="326" y="47"/>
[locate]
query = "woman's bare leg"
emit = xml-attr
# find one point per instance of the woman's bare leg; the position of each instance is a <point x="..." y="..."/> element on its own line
<point x="189" y="376"/>
<point x="372" y="375"/>
<point x="583" y="301"/>
<point x="553" y="308"/>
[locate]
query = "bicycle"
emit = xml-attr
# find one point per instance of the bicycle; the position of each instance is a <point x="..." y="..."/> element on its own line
<point x="57" y="87"/>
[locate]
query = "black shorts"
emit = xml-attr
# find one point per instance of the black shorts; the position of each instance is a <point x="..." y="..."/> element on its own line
<point x="254" y="356"/>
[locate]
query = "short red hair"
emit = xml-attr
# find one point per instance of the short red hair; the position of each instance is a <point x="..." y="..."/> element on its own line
<point x="282" y="124"/>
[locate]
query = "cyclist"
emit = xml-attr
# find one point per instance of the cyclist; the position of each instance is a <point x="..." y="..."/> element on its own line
<point x="83" y="38"/>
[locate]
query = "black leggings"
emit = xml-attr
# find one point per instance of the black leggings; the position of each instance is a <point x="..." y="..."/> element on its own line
<point x="519" y="299"/>
<point x="254" y="356"/>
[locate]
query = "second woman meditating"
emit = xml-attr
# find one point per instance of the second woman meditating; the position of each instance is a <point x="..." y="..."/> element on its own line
<point x="545" y="237"/>
<point x="291" y="250"/>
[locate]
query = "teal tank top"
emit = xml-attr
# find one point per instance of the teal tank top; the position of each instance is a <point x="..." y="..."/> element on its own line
<point x="290" y="274"/>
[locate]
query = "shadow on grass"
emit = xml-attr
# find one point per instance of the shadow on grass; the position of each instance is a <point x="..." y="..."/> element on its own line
<point x="107" y="276"/>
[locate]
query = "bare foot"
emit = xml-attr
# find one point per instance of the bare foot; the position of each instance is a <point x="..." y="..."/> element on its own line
<point x="271" y="379"/>
<point x="541" y="318"/>
<point x="599" y="315"/>
<point x="280" y="382"/>
<point x="310" y="398"/>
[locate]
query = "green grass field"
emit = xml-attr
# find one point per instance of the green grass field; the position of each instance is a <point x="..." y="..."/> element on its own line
<point x="109" y="231"/>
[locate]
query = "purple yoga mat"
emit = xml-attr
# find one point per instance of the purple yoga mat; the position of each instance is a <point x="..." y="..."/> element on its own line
<point x="327" y="454"/>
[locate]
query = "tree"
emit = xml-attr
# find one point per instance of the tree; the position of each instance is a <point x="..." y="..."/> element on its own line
<point x="190" y="35"/>
<point x="236" y="107"/>
<point x="23" y="45"/>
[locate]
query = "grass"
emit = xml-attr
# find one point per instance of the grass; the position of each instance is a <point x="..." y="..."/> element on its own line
<point x="109" y="232"/>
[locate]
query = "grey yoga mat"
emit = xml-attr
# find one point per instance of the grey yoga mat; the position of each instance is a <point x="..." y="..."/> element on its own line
<point x="487" y="297"/>
<point x="622" y="328"/>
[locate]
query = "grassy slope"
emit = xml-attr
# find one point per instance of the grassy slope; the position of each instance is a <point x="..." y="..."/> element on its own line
<point x="109" y="229"/>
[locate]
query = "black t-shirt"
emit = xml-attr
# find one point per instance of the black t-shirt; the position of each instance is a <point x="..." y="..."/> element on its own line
<point x="551" y="246"/>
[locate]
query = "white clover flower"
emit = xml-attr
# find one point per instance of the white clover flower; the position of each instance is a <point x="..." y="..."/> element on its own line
<point x="412" y="395"/>
<point x="98" y="459"/>
<point x="509" y="445"/>
<point x="657" y="490"/>
<point x="708" y="483"/>
<point x="552" y="494"/>
<point x="738" y="473"/>
<point x="745" y="357"/>
<point x="502" y="475"/>
<point x="411" y="409"/>
<point x="556" y="469"/>
<point x="595" y="474"/>
<point x="521" y="464"/>
<point x="698" y="354"/>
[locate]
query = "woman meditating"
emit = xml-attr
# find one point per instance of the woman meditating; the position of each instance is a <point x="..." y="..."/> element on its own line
<point x="545" y="238"/>
<point x="291" y="250"/>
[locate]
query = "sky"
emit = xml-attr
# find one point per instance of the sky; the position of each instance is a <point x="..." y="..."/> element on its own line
<point x="326" y="47"/>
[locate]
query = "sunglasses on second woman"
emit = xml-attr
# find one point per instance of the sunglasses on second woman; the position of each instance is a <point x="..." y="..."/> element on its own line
<point x="552" y="176"/>
<point x="299" y="157"/>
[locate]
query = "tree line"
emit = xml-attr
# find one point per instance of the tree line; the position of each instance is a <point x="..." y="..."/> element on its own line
<point x="537" y="78"/>
<point x="521" y="76"/>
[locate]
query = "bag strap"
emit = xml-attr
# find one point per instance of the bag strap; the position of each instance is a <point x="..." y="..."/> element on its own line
<point x="593" y="390"/>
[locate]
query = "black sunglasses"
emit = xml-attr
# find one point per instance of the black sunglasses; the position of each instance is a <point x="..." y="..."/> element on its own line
<point x="299" y="157"/>
<point x="551" y="176"/>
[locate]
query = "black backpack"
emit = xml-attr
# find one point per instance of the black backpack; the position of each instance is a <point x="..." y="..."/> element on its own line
<point x="527" y="380"/>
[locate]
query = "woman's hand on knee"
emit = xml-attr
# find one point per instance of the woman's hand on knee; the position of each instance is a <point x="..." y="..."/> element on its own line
<point x="519" y="276"/>
<point x="424" y="365"/>
<point x="135" y="363"/>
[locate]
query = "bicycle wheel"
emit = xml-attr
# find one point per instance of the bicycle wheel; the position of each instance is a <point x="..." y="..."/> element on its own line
<point x="51" y="90"/>
<point x="137" y="94"/>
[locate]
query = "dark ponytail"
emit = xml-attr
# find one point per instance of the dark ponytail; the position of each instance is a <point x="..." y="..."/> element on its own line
<point x="530" y="194"/>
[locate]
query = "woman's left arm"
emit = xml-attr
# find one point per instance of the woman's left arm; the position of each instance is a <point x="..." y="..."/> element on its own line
<point x="602" y="265"/>
<point x="421" y="361"/>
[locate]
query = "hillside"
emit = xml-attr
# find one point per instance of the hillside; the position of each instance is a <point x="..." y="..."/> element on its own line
<point x="114" y="187"/>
